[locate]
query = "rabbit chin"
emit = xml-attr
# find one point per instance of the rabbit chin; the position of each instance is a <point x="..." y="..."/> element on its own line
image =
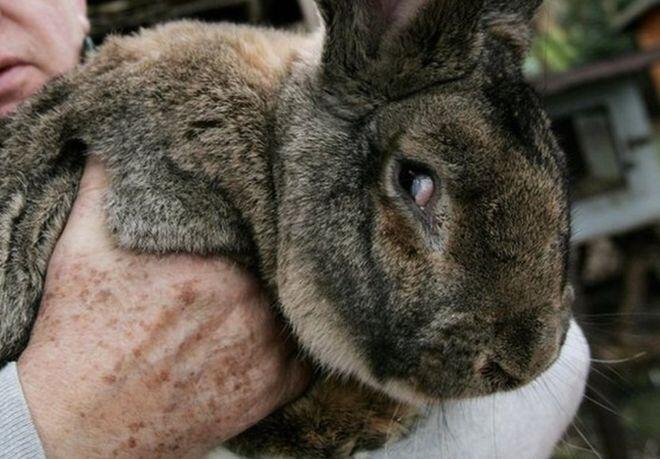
<point x="320" y="331"/>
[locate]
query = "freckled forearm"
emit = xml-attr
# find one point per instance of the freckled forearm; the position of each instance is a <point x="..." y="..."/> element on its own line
<point x="173" y="368"/>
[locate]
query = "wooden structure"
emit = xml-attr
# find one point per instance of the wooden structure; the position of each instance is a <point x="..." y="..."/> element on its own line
<point x="601" y="120"/>
<point x="642" y="17"/>
<point x="310" y="13"/>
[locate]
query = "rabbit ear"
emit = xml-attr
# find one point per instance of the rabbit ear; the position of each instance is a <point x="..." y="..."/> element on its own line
<point x="385" y="11"/>
<point x="510" y="22"/>
<point x="526" y="9"/>
<point x="382" y="49"/>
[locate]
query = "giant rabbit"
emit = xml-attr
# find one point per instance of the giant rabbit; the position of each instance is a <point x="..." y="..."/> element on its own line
<point x="393" y="181"/>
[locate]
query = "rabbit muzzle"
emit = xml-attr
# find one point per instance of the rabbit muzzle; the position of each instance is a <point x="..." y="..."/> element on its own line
<point x="478" y="354"/>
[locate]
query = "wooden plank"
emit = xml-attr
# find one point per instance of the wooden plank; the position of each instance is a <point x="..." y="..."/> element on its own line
<point x="633" y="13"/>
<point x="126" y="14"/>
<point x="648" y="37"/>
<point x="310" y="14"/>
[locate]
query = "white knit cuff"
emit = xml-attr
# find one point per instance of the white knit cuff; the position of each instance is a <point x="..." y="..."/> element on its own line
<point x="18" y="436"/>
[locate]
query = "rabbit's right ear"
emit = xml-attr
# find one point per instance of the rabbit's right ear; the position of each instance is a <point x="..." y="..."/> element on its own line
<point x="378" y="50"/>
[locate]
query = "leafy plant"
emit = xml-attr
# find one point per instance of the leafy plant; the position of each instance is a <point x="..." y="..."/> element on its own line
<point x="577" y="32"/>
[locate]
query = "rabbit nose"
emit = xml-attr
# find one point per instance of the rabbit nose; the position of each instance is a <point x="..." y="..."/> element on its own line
<point x="526" y="347"/>
<point x="506" y="373"/>
<point x="495" y="375"/>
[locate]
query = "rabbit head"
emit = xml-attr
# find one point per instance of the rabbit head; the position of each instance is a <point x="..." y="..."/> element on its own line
<point x="424" y="225"/>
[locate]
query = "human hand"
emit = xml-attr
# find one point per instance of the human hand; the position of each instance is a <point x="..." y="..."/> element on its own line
<point x="140" y="355"/>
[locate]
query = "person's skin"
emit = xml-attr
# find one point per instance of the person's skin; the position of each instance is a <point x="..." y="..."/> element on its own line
<point x="39" y="39"/>
<point x="133" y="354"/>
<point x="139" y="355"/>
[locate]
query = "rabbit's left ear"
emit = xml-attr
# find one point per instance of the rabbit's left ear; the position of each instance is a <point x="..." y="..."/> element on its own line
<point x="510" y="22"/>
<point x="526" y="9"/>
<point x="377" y="50"/>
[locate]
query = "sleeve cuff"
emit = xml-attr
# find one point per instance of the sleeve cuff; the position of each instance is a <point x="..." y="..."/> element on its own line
<point x="18" y="435"/>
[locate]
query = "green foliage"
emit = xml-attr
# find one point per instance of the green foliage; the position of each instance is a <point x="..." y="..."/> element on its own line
<point x="576" y="32"/>
<point x="620" y="5"/>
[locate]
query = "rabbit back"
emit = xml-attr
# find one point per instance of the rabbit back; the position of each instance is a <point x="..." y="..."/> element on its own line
<point x="179" y="115"/>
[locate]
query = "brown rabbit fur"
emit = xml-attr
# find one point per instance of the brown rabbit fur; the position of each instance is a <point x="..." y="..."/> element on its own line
<point x="289" y="154"/>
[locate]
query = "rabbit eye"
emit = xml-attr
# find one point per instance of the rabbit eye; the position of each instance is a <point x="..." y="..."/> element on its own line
<point x="418" y="184"/>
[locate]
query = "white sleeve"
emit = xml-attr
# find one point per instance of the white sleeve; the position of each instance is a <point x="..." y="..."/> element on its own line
<point x="525" y="424"/>
<point x="18" y="436"/>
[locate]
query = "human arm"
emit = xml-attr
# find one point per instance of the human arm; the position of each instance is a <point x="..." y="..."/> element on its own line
<point x="140" y="354"/>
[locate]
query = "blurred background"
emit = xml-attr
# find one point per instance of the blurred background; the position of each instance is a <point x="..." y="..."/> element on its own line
<point x="596" y="63"/>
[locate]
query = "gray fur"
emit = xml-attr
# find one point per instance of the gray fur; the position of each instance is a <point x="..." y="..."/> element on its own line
<point x="280" y="151"/>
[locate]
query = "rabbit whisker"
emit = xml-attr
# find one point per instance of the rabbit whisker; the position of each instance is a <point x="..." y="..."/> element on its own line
<point x="617" y="361"/>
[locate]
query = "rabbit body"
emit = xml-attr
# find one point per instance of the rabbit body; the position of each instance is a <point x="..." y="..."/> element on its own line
<point x="191" y="172"/>
<point x="290" y="154"/>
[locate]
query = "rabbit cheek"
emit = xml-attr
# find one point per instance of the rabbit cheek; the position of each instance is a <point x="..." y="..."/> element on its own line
<point x="397" y="240"/>
<point x="317" y="323"/>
